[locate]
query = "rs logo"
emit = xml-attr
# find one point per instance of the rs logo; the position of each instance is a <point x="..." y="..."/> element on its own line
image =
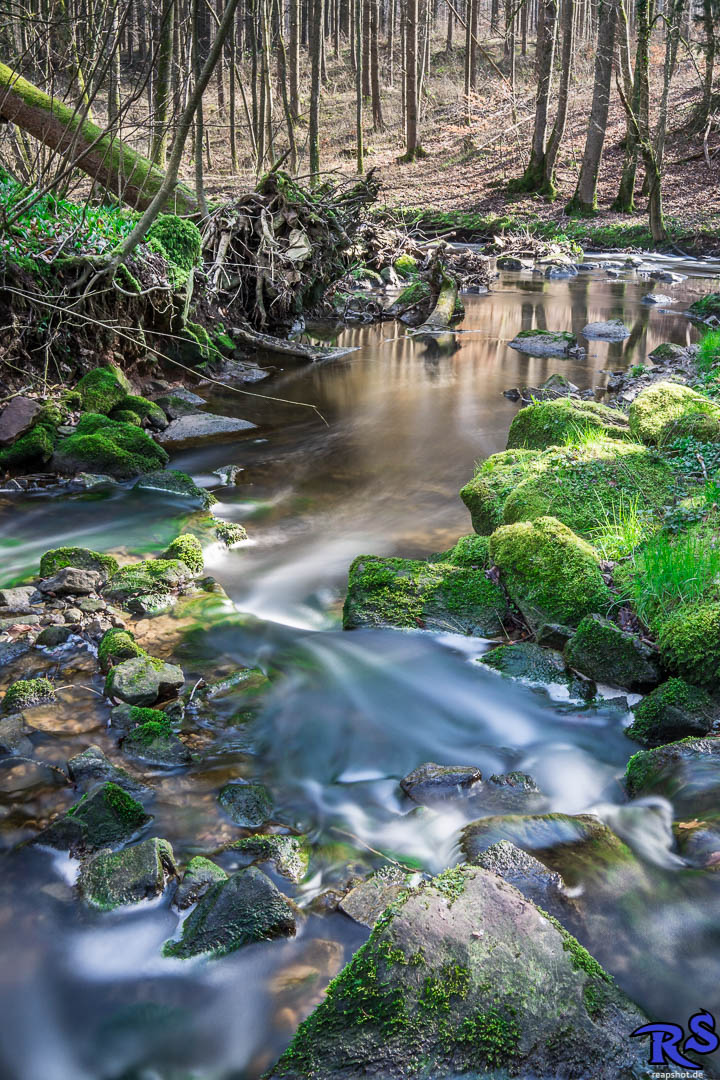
<point x="666" y="1040"/>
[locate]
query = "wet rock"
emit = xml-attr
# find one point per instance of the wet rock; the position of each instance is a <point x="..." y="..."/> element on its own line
<point x="151" y="604"/>
<point x="109" y="880"/>
<point x="229" y="474"/>
<point x="431" y="783"/>
<point x="554" y="635"/>
<point x="176" y="484"/>
<point x="687" y="772"/>
<point x="657" y="298"/>
<point x="17" y="417"/>
<point x="150" y="576"/>
<point x="91" y="767"/>
<point x="13" y="736"/>
<point x="669" y="276"/>
<point x="469" y="978"/>
<point x="155" y="743"/>
<point x="18" y="600"/>
<point x="510" y="793"/>
<point x="78" y="557"/>
<point x="544" y="342"/>
<point x="199" y="876"/>
<point x="288" y="854"/>
<point x="72" y="582"/>
<point x="143" y="680"/>
<point x="538" y="667"/>
<point x="529" y="876"/>
<point x="117" y="644"/>
<point x="52" y="637"/>
<point x="26" y="693"/>
<point x="107" y="817"/>
<point x="200" y="428"/>
<point x="603" y="651"/>
<point x="673" y="711"/>
<point x="668" y="352"/>
<point x="246" y="908"/>
<point x="249" y="805"/>
<point x="509" y="262"/>
<point x="188" y="549"/>
<point x="561" y="270"/>
<point x="179" y="402"/>
<point x="367" y="901"/>
<point x="610" y="330"/>
<point x="10" y="651"/>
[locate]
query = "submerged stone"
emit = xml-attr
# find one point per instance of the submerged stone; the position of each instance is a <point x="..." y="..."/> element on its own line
<point x="687" y="772"/>
<point x="199" y="876"/>
<point x="431" y="783"/>
<point x="53" y="636"/>
<point x="143" y="681"/>
<point x="244" y="909"/>
<point x="603" y="651"/>
<point x="537" y="666"/>
<point x="465" y="977"/>
<point x="155" y="743"/>
<point x="249" y="805"/>
<point x="14" y="736"/>
<point x="176" y="484"/>
<point x="109" y="880"/>
<point x="91" y="767"/>
<point x="108" y="816"/>
<point x="673" y="711"/>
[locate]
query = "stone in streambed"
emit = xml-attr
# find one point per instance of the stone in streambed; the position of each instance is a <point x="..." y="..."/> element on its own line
<point x="666" y="411"/>
<point x="245" y="908"/>
<point x="26" y="693"/>
<point x="288" y="854"/>
<point x="155" y="743"/>
<point x="198" y="428"/>
<point x="603" y="651"/>
<point x="116" y="645"/>
<point x="177" y="485"/>
<point x="72" y="582"/>
<point x="109" y="880"/>
<point x="80" y="558"/>
<point x="91" y="767"/>
<point x="199" y="876"/>
<point x="610" y="330"/>
<point x="544" y="342"/>
<point x="107" y="816"/>
<point x="150" y="576"/>
<point x="102" y="389"/>
<point x="367" y="901"/>
<point x="179" y="402"/>
<point x="53" y="636"/>
<point x="687" y="772"/>
<point x="249" y="805"/>
<point x="431" y="783"/>
<point x="143" y="680"/>
<point x="538" y="667"/>
<point x="529" y="876"/>
<point x="667" y="353"/>
<point x="14" y="736"/>
<point x="673" y="711"/>
<point x="99" y="445"/>
<point x="657" y="298"/>
<point x="18" y="601"/>
<point x="468" y="977"/>
<point x="17" y="417"/>
<point x="187" y="549"/>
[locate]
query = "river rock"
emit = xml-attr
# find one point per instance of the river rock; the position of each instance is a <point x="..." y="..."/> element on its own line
<point x="554" y="635"/>
<point x="288" y="854"/>
<point x="26" y="693"/>
<point x="507" y="793"/>
<point x="603" y="651"/>
<point x="673" y="711"/>
<point x="91" y="767"/>
<point x="150" y="605"/>
<point x="109" y="880"/>
<point x="669" y="276"/>
<point x="17" y="417"/>
<point x="561" y="270"/>
<point x="510" y="262"/>
<point x="13" y="736"/>
<point x="72" y="582"/>
<point x="179" y="402"/>
<point x="367" y="901"/>
<point x="81" y="558"/>
<point x="657" y="298"/>
<point x="249" y="805"/>
<point x="155" y="743"/>
<point x="431" y="783"/>
<point x="538" y="667"/>
<point x="529" y="876"/>
<point x="610" y="330"/>
<point x="176" y="484"/>
<point x="465" y="977"/>
<point x="17" y="601"/>
<point x="143" y="680"/>
<point x="200" y="428"/>
<point x="106" y="817"/>
<point x="199" y="876"/>
<point x="53" y="636"/>
<point x="150" y="576"/>
<point x="544" y="342"/>
<point x="246" y="908"/>
<point x="687" y="772"/>
<point x="666" y="353"/>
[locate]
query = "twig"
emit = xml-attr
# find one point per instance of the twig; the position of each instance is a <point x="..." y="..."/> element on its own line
<point x="344" y="832"/>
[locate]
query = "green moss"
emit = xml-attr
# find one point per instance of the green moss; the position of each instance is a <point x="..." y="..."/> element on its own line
<point x="603" y="651"/>
<point x="563" y="337"/>
<point x="82" y="558"/>
<point x="200" y="346"/>
<point x="224" y="341"/>
<point x="494" y="479"/>
<point x="451" y="883"/>
<point x="103" y="388"/>
<point x="439" y="990"/>
<point x="149" y="732"/>
<point x="689" y="641"/>
<point x="142" y="715"/>
<point x="126" y="810"/>
<point x="406" y="266"/>
<point x="180" y="242"/>
<point x="188" y="549"/>
<point x="580" y="957"/>
<point x="229" y="533"/>
<point x="125" y="416"/>
<point x="493" y="1037"/>
<point x="142" y="408"/>
<point x="638" y="772"/>
<point x="564" y="421"/>
<point x="469" y="551"/>
<point x="551" y="573"/>
<point x="126" y="280"/>
<point x="31" y="450"/>
<point x="666" y="411"/>
<point x="108" y="446"/>
<point x="670" y="711"/>
<point x="412" y="294"/>
<point x="24" y="693"/>
<point x="707" y="305"/>
<point x="117" y="645"/>
<point x="150" y="576"/>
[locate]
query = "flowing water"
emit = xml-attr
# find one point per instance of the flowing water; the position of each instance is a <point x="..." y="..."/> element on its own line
<point x="87" y="995"/>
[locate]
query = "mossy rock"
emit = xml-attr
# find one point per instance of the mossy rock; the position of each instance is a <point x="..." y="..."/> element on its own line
<point x="249" y="805"/>
<point x="469" y="551"/>
<point x="145" y="410"/>
<point x="244" y="909"/>
<point x="562" y="422"/>
<point x="689" y="641"/>
<point x="155" y="743"/>
<point x="549" y="572"/>
<point x="414" y="295"/>
<point x="200" y="874"/>
<point x="109" y="880"/>
<point x="91" y="767"/>
<point x="126" y="416"/>
<point x="494" y="480"/>
<point x="102" y="389"/>
<point x="406" y="266"/>
<point x="143" y="680"/>
<point x="117" y="645"/>
<point x="175" y="484"/>
<point x="108" y="816"/>
<point x="288" y="854"/>
<point x="81" y="558"/>
<point x="150" y="576"/>
<point x="537" y="667"/>
<point x="31" y="450"/>
<point x="26" y="693"/>
<point x="673" y="711"/>
<point x="410" y="593"/>
<point x="667" y="411"/>
<point x="101" y="445"/>
<point x="686" y="772"/>
<point x="668" y="352"/>
<point x="603" y="651"/>
<point x="706" y="306"/>
<point x="431" y="995"/>
<point x="180" y="241"/>
<point x="187" y="549"/>
<point x="544" y="342"/>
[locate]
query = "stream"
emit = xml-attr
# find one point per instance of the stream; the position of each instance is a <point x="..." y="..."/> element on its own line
<point x="86" y="995"/>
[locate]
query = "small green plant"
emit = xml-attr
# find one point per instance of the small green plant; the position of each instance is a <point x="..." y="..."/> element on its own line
<point x="671" y="571"/>
<point x="637" y="369"/>
<point x="708" y="356"/>
<point x="623" y="526"/>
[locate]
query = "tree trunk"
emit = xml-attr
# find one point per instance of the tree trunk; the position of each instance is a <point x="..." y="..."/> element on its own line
<point x="709" y="21"/>
<point x="378" y="124"/>
<point x="294" y="57"/>
<point x="161" y="102"/>
<point x="558" y="131"/>
<point x="533" y="179"/>
<point x="411" y="100"/>
<point x="360" y="157"/>
<point x="316" y="29"/>
<point x="585" y="197"/>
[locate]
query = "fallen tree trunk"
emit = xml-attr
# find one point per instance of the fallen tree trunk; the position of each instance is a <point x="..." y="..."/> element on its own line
<point x="267" y="343"/>
<point x="114" y="164"/>
<point x="444" y="310"/>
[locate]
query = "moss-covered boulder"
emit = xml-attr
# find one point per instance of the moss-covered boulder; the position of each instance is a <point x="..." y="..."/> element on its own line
<point x="686" y="772"/>
<point x="550" y="573"/>
<point x="544" y="342"/>
<point x="417" y="296"/>
<point x="147" y="412"/>
<point x="288" y="854"/>
<point x="150" y="576"/>
<point x="589" y="488"/>
<point x="673" y="711"/>
<point x="469" y="551"/>
<point x="143" y="680"/>
<point x="187" y="549"/>
<point x="410" y="593"/>
<point x="177" y="485"/>
<point x="706" y="306"/>
<point x="91" y="767"/>
<point x="249" y="805"/>
<point x="102" y="389"/>
<point x="462" y="976"/>
<point x="564" y="421"/>
<point x="246" y="908"/>
<point x="26" y="693"/>
<point x="31" y="451"/>
<point x="604" y="652"/>
<point x="538" y="667"/>
<point x="666" y="411"/>
<point x="111" y="879"/>
<point x="117" y="645"/>
<point x="106" y="817"/>
<point x="110" y="447"/>
<point x="406" y="266"/>
<point x="200" y="874"/>
<point x="155" y="743"/>
<point x="78" y="557"/>
<point x="689" y="641"/>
